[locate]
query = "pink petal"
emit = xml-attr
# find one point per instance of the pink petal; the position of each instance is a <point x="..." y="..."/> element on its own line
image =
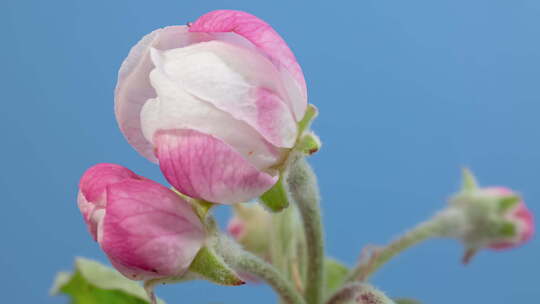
<point x="133" y="87"/>
<point x="92" y="191"/>
<point x="205" y="167"/>
<point x="149" y="231"/>
<point x="525" y="221"/>
<point x="262" y="35"/>
<point x="236" y="228"/>
<point x="96" y="178"/>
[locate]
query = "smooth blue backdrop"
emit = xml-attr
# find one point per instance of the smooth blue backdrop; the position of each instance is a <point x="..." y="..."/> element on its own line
<point x="408" y="91"/>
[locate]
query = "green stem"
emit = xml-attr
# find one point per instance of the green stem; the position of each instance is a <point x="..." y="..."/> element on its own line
<point x="422" y="232"/>
<point x="303" y="188"/>
<point x="247" y="262"/>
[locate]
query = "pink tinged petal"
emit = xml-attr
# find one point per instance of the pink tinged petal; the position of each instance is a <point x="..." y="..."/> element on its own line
<point x="236" y="228"/>
<point x="133" y="87"/>
<point x="92" y="192"/>
<point x="525" y="222"/>
<point x="277" y="126"/>
<point x="262" y="35"/>
<point x="205" y="167"/>
<point x="497" y="191"/>
<point x="149" y="231"/>
<point x="235" y="80"/>
<point x="526" y="218"/>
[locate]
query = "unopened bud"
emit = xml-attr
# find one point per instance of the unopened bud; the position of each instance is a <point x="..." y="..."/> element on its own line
<point x="250" y="226"/>
<point x="492" y="217"/>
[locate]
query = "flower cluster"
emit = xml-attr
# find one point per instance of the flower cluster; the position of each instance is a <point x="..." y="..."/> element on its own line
<point x="221" y="106"/>
<point x="216" y="104"/>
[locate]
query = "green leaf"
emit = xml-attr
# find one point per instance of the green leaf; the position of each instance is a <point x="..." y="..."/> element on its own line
<point x="335" y="273"/>
<point x="212" y="267"/>
<point x="406" y="301"/>
<point x="276" y="198"/>
<point x="95" y="283"/>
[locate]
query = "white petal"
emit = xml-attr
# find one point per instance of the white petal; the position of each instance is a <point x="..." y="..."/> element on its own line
<point x="176" y="109"/>
<point x="232" y="78"/>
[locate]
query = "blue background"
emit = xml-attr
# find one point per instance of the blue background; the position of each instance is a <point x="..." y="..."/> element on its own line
<point x="408" y="91"/>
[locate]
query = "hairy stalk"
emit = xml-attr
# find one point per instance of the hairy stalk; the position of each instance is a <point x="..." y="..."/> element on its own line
<point x="346" y="294"/>
<point x="242" y="260"/>
<point x="304" y="191"/>
<point x="435" y="227"/>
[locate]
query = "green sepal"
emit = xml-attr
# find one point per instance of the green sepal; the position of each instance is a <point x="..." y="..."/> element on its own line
<point x="308" y="144"/>
<point x="95" y="283"/>
<point x="201" y="207"/>
<point x="406" y="301"/>
<point x="335" y="275"/>
<point x="469" y="181"/>
<point x="508" y="202"/>
<point x="507" y="229"/>
<point x="276" y="199"/>
<point x="311" y="113"/>
<point x="210" y="266"/>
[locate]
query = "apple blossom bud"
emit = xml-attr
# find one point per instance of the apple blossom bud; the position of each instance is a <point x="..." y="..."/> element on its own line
<point x="250" y="227"/>
<point x="216" y="103"/>
<point x="359" y="293"/>
<point x="369" y="295"/>
<point x="146" y="230"/>
<point x="491" y="217"/>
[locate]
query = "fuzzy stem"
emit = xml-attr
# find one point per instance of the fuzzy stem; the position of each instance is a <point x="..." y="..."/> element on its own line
<point x="304" y="192"/>
<point x="434" y="227"/>
<point x="345" y="294"/>
<point x="245" y="261"/>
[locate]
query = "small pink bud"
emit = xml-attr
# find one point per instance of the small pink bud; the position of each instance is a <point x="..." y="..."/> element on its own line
<point x="216" y="103"/>
<point x="490" y="217"/>
<point x="236" y="228"/>
<point x="146" y="230"/>
<point x="519" y="215"/>
<point x="251" y="226"/>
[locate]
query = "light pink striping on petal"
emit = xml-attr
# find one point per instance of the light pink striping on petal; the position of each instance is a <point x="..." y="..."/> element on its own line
<point x="92" y="191"/>
<point x="258" y="32"/>
<point x="149" y="231"/>
<point x="97" y="177"/>
<point x="204" y="167"/>
<point x="272" y="119"/>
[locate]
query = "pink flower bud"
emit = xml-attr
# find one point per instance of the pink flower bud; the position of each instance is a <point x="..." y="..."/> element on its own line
<point x="519" y="215"/>
<point x="236" y="228"/>
<point x="146" y="230"/>
<point x="216" y="104"/>
<point x="491" y="217"/>
<point x="250" y="226"/>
